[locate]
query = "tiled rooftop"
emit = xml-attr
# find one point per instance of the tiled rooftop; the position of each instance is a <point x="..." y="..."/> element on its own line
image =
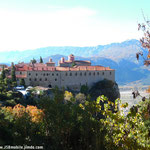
<point x="44" y="67"/>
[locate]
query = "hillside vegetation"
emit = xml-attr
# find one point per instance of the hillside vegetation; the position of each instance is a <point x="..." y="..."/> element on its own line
<point x="74" y="121"/>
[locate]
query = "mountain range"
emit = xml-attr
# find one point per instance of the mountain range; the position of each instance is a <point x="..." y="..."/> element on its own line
<point x="119" y="56"/>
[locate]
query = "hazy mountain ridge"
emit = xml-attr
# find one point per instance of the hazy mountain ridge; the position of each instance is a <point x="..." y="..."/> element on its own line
<point x="126" y="71"/>
<point x="119" y="56"/>
<point x="115" y="51"/>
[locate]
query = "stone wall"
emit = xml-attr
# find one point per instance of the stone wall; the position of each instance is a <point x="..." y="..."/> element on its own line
<point x="71" y="79"/>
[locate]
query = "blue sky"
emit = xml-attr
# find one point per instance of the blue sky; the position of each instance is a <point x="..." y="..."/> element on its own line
<point x="30" y="24"/>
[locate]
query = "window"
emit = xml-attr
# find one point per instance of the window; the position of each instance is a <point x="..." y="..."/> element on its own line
<point x="52" y="74"/>
<point x="57" y="74"/>
<point x="36" y="74"/>
<point x="110" y="73"/>
<point x="85" y="73"/>
<point x="47" y="74"/>
<point x="20" y="72"/>
<point x="40" y="79"/>
<point x="45" y="79"/>
<point x="81" y="74"/>
<point x="55" y="79"/>
<point x="70" y="74"/>
<point x="94" y="73"/>
<point x="76" y="74"/>
<point x="29" y="74"/>
<point x="103" y="73"/>
<point x="35" y="79"/>
<point x="29" y="79"/>
<point x="89" y="73"/>
<point x="66" y="74"/>
<point x="44" y="74"/>
<point x="97" y="73"/>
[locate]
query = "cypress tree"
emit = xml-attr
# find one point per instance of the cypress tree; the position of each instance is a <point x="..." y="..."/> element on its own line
<point x="41" y="60"/>
<point x="13" y="74"/>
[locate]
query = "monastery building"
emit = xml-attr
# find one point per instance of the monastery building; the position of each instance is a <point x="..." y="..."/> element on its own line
<point x="69" y="73"/>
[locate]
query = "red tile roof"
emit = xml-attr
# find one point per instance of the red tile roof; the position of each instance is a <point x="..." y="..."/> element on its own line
<point x="50" y="63"/>
<point x="83" y="68"/>
<point x="44" y="67"/>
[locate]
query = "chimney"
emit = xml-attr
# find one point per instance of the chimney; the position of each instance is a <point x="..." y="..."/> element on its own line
<point x="62" y="60"/>
<point x="50" y="59"/>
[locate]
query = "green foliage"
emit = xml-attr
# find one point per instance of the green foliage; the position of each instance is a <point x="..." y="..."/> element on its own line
<point x="69" y="126"/>
<point x="3" y="75"/>
<point x="58" y="95"/>
<point x="68" y="97"/>
<point x="80" y="98"/>
<point x="84" y="89"/>
<point x="13" y="74"/>
<point x="33" y="61"/>
<point x="22" y="82"/>
<point x="41" y="60"/>
<point x="78" y="124"/>
<point x="105" y="87"/>
<point x="73" y="64"/>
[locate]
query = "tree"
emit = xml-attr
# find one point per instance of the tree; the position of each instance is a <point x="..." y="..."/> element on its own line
<point x="84" y="89"/>
<point x="80" y="98"/>
<point x="68" y="96"/>
<point x="107" y="88"/>
<point x="22" y="82"/>
<point x="33" y="61"/>
<point x="13" y="74"/>
<point x="73" y="64"/>
<point x="41" y="60"/>
<point x="145" y="41"/>
<point x="3" y="75"/>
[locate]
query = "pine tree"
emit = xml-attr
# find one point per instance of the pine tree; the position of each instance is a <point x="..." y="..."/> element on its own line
<point x="41" y="60"/>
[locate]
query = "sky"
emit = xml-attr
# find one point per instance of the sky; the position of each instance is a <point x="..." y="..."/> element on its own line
<point x="31" y="24"/>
